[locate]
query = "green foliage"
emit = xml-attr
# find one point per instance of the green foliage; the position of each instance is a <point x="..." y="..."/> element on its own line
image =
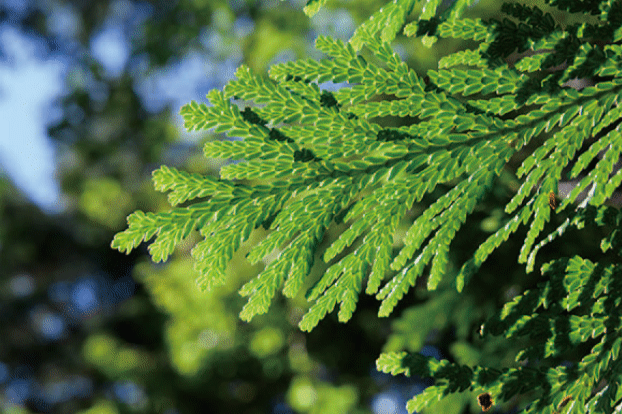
<point x="578" y="302"/>
<point x="313" y="160"/>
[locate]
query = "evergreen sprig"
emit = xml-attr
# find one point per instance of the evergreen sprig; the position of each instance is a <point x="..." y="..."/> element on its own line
<point x="579" y="302"/>
<point x="311" y="159"/>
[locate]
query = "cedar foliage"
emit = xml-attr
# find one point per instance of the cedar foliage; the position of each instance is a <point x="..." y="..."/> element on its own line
<point x="311" y="159"/>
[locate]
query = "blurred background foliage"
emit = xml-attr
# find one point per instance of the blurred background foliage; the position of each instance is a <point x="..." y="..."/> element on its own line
<point x="84" y="329"/>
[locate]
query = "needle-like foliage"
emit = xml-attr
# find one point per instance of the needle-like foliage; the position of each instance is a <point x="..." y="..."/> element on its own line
<point x="311" y="159"/>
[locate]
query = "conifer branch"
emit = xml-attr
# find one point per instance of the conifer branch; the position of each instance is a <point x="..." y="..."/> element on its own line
<point x="311" y="159"/>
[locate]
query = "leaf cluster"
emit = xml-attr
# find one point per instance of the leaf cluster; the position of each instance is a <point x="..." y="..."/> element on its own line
<point x="310" y="160"/>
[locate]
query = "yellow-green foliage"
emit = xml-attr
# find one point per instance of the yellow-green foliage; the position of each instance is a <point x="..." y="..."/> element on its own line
<point x="311" y="159"/>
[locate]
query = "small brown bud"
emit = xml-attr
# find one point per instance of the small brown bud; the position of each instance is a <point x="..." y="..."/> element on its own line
<point x="552" y="200"/>
<point x="485" y="401"/>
